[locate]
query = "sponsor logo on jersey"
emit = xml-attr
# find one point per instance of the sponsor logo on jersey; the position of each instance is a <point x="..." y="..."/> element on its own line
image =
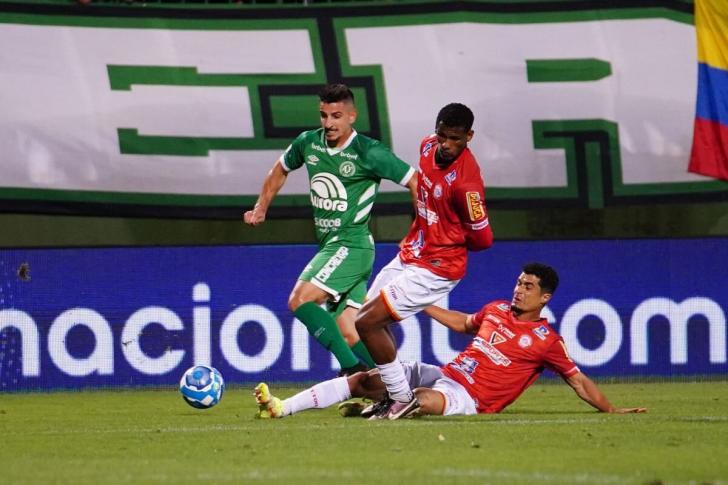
<point x="327" y="225"/>
<point x="478" y="225"/>
<point x="437" y="192"/>
<point x="418" y="243"/>
<point x="506" y="330"/>
<point x="428" y="215"/>
<point x="450" y="178"/>
<point x="333" y="263"/>
<point x="350" y="156"/>
<point x="475" y="206"/>
<point x="491" y="352"/>
<point x="493" y="319"/>
<point x="318" y="148"/>
<point x="426" y="149"/>
<point x="347" y="169"/>
<point x="465" y="368"/>
<point x="525" y="341"/>
<point x="541" y="332"/>
<point x="496" y="338"/>
<point x="328" y="193"/>
<point x="427" y="181"/>
<point x="312" y="159"/>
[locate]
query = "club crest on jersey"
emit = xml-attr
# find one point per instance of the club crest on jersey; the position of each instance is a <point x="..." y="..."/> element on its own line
<point x="475" y="206"/>
<point x="541" y="332"/>
<point x="426" y="149"/>
<point x="450" y="178"/>
<point x="312" y="159"/>
<point x="504" y="306"/>
<point x="437" y="191"/>
<point x="525" y="341"/>
<point x="347" y="169"/>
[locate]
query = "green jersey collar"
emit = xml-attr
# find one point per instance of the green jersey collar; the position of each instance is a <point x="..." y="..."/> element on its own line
<point x="335" y="150"/>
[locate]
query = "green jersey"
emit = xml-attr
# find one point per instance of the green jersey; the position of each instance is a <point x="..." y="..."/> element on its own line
<point x="344" y="183"/>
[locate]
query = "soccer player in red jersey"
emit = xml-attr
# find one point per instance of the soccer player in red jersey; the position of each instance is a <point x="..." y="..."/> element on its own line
<point x="511" y="348"/>
<point x="451" y="220"/>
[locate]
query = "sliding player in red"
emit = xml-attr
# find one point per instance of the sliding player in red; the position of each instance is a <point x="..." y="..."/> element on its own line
<point x="511" y="348"/>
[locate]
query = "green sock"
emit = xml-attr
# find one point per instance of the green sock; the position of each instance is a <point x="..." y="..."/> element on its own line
<point x="363" y="353"/>
<point x="323" y="327"/>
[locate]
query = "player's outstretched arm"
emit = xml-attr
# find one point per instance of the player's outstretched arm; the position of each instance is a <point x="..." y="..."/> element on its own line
<point x="273" y="182"/>
<point x="586" y="389"/>
<point x="454" y="320"/>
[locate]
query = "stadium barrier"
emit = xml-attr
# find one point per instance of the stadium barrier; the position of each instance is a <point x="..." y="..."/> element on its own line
<point x="76" y="318"/>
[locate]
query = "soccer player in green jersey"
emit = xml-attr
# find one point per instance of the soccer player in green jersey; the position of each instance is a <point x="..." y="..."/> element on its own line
<point x="344" y="170"/>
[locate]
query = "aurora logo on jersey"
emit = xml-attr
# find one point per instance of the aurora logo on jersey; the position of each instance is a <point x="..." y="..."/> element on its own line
<point x="328" y="193"/>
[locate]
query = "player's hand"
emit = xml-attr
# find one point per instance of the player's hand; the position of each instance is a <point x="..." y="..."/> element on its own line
<point x="254" y="217"/>
<point x="628" y="410"/>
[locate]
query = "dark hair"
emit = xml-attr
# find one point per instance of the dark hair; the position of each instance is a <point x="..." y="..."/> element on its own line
<point x="456" y="115"/>
<point x="333" y="93"/>
<point x="548" y="278"/>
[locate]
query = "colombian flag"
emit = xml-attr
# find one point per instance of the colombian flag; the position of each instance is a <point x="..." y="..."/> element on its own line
<point x="710" y="134"/>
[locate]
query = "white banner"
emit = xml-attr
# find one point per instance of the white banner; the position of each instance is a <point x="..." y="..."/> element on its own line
<point x="196" y="113"/>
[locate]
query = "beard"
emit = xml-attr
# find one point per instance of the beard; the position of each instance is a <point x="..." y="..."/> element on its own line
<point x="515" y="310"/>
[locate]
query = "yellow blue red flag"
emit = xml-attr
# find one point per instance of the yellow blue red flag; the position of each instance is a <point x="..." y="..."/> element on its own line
<point x="710" y="134"/>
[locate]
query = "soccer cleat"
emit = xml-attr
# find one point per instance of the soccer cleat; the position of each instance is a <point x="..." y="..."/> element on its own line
<point x="400" y="410"/>
<point x="351" y="409"/>
<point x="348" y="371"/>
<point x="269" y="406"/>
<point x="377" y="410"/>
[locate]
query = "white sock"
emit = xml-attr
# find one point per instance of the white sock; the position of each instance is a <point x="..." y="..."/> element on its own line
<point x="394" y="378"/>
<point x="322" y="395"/>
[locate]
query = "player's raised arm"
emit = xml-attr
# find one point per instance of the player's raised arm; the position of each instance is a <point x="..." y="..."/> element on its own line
<point x="454" y="320"/>
<point x="586" y="389"/>
<point x="274" y="180"/>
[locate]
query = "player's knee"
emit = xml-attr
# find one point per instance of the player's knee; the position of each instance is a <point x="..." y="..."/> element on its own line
<point x="350" y="336"/>
<point x="295" y="300"/>
<point x="431" y="401"/>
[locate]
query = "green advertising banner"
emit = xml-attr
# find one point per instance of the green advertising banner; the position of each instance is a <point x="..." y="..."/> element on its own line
<point x="152" y="111"/>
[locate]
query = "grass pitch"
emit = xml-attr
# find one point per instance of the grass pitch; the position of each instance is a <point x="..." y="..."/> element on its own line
<point x="548" y="436"/>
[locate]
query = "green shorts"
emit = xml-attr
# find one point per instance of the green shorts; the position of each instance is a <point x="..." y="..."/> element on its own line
<point x="343" y="273"/>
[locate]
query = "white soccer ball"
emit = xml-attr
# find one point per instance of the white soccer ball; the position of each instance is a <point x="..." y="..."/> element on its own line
<point x="202" y="386"/>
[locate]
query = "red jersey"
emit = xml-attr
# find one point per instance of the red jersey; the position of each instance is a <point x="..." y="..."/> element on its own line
<point x="451" y="214"/>
<point x="507" y="356"/>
